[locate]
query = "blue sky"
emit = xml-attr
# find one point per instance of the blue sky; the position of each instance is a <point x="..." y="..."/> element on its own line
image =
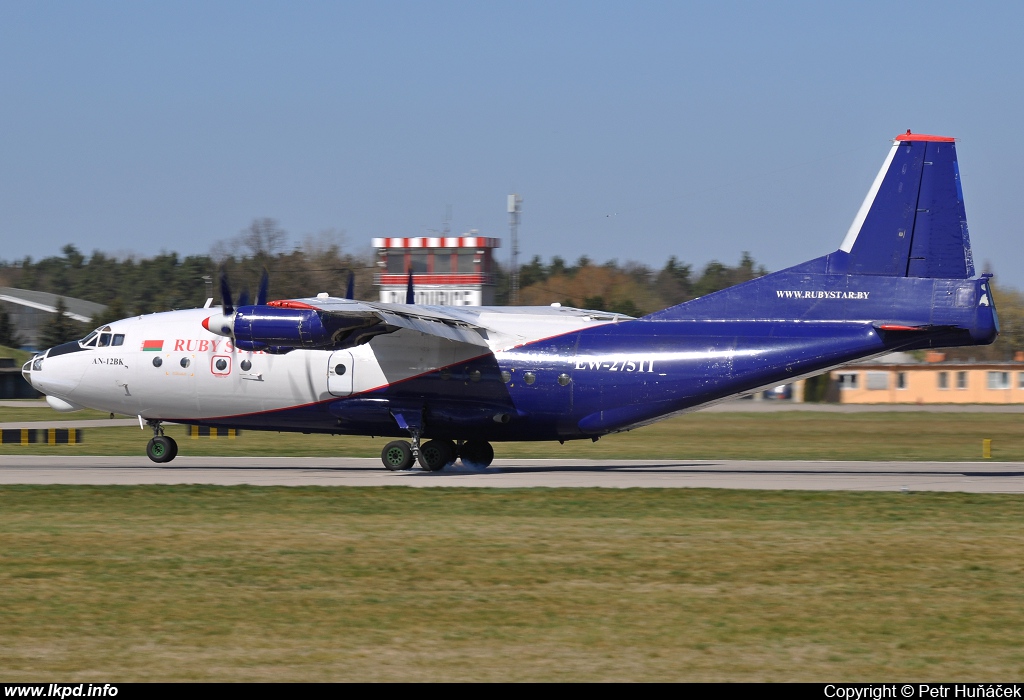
<point x="633" y="130"/>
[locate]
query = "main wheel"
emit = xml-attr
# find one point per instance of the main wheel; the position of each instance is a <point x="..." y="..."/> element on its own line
<point x="477" y="454"/>
<point x="161" y="449"/>
<point x="435" y="455"/>
<point x="397" y="455"/>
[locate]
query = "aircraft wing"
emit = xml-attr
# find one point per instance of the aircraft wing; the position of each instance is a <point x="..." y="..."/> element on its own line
<point x="375" y="318"/>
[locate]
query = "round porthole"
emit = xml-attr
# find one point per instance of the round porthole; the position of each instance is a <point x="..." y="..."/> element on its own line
<point x="157" y="361"/>
<point x="185" y="362"/>
<point x="529" y="377"/>
<point x="246" y="365"/>
<point x="506" y="376"/>
<point x="222" y="365"/>
<point x="563" y="379"/>
<point x="446" y="374"/>
<point x="474" y="376"/>
<point x="339" y="370"/>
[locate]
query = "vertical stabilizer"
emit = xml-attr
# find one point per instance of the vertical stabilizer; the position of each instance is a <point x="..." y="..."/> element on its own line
<point x="912" y="222"/>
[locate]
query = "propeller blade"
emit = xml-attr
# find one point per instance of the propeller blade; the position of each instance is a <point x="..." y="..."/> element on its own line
<point x="243" y="298"/>
<point x="225" y="294"/>
<point x="350" y="291"/>
<point x="410" y="296"/>
<point x="261" y="295"/>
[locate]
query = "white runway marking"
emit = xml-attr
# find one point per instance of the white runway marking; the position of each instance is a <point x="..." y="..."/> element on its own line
<point x="973" y="477"/>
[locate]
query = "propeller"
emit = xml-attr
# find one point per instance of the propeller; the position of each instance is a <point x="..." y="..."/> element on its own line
<point x="410" y="295"/>
<point x="225" y="294"/>
<point x="350" y="291"/>
<point x="261" y="295"/>
<point x="243" y="298"/>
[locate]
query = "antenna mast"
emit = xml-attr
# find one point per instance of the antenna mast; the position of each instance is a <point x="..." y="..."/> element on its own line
<point x="515" y="208"/>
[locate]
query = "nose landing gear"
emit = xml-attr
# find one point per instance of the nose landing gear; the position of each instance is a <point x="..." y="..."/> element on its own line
<point x="160" y="448"/>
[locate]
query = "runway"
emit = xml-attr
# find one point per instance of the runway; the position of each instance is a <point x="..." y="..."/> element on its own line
<point x="971" y="477"/>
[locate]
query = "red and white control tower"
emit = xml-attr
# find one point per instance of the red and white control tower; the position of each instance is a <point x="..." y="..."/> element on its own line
<point x="447" y="271"/>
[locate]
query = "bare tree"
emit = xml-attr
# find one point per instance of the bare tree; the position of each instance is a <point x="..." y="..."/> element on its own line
<point x="264" y="238"/>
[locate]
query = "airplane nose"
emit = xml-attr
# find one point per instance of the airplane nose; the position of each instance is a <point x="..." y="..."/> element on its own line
<point x="56" y="371"/>
<point x="33" y="365"/>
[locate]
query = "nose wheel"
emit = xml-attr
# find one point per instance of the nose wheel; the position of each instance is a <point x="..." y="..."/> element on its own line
<point x="160" y="448"/>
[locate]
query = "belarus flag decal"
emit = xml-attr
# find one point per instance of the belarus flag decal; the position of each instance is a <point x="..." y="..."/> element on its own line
<point x="154" y="345"/>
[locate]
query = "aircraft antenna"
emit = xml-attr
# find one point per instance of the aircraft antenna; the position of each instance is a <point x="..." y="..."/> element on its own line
<point x="515" y="208"/>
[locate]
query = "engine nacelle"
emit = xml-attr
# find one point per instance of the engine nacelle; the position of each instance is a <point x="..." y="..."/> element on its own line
<point x="262" y="326"/>
<point x="281" y="326"/>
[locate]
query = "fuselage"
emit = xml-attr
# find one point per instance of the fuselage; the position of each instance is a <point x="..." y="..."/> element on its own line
<point x="545" y="374"/>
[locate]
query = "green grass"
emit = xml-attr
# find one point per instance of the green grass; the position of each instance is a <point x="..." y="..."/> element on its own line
<point x="398" y="584"/>
<point x="45" y="413"/>
<point x="783" y="435"/>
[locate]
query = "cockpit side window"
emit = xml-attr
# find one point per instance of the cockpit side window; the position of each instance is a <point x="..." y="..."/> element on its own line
<point x="118" y="339"/>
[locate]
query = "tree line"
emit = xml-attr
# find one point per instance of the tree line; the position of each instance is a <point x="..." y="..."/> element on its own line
<point x="130" y="286"/>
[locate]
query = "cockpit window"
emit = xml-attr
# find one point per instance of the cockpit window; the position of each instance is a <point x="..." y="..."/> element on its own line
<point x="118" y="339"/>
<point x="104" y="340"/>
<point x="89" y="340"/>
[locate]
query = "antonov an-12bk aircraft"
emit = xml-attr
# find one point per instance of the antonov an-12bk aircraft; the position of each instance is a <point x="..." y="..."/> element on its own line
<point x="461" y="378"/>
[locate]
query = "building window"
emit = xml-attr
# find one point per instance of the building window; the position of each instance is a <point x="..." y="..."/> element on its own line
<point x="418" y="263"/>
<point x="1020" y="380"/>
<point x="442" y="262"/>
<point x="943" y="379"/>
<point x="847" y="380"/>
<point x="396" y="264"/>
<point x="876" y="380"/>
<point x="901" y="380"/>
<point x="961" y="380"/>
<point x="466" y="263"/>
<point x="998" y="380"/>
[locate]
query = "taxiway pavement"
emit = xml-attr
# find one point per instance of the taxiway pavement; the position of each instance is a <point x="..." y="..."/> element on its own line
<point x="972" y="477"/>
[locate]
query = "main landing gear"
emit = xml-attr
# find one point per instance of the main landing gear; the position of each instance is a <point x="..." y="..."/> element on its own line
<point x="160" y="448"/>
<point x="435" y="455"/>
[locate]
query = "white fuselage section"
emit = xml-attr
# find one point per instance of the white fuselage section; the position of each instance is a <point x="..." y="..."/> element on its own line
<point x="169" y="367"/>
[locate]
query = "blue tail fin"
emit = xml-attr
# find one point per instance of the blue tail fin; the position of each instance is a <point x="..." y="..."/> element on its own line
<point x="912" y="223"/>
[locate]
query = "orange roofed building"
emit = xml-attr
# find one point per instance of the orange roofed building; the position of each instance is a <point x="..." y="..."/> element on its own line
<point x="900" y="378"/>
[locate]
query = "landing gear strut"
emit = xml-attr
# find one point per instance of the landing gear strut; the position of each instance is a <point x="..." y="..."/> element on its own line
<point x="160" y="448"/>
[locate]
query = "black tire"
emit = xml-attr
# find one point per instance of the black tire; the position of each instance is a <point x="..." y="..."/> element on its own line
<point x="397" y="455"/>
<point x="174" y="448"/>
<point x="161" y="449"/>
<point x="435" y="455"/>
<point x="477" y="454"/>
